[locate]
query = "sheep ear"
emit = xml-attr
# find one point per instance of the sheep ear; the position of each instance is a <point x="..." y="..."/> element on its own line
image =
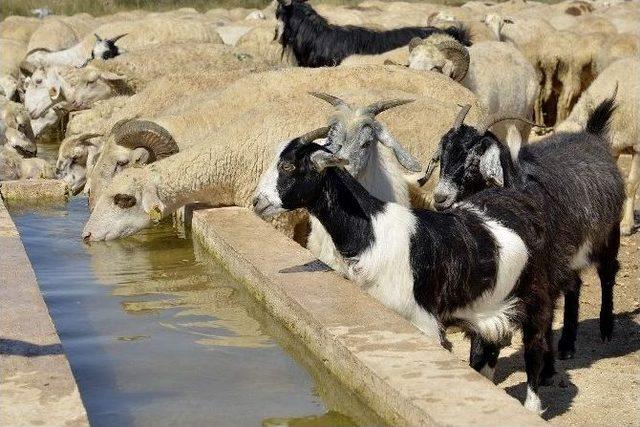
<point x="490" y="166"/>
<point x="414" y="43"/>
<point x="106" y="75"/>
<point x="448" y="68"/>
<point x="152" y="204"/>
<point x="322" y="159"/>
<point x="404" y="157"/>
<point x="140" y="156"/>
<point x="54" y="92"/>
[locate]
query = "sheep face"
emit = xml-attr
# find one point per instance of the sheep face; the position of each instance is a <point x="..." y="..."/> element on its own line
<point x="294" y="179"/>
<point x="427" y="57"/>
<point x="128" y="205"/>
<point x="468" y="163"/>
<point x="113" y="159"/>
<point x="91" y="85"/>
<point x="38" y="93"/>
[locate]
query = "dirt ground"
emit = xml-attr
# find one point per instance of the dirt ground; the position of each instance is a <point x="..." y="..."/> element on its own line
<point x="601" y="385"/>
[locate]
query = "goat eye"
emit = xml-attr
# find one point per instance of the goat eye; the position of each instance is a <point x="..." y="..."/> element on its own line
<point x="287" y="167"/>
<point x="124" y="201"/>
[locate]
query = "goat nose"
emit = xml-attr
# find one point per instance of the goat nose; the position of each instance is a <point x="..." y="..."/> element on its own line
<point x="439" y="197"/>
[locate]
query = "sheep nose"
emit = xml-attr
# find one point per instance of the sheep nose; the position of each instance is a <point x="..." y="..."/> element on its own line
<point x="439" y="198"/>
<point x="255" y="201"/>
<point x="86" y="238"/>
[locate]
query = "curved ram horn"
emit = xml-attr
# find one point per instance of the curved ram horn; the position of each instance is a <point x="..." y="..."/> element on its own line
<point x="456" y="53"/>
<point x="85" y="136"/>
<point x="145" y="134"/>
<point x="116" y="38"/>
<point x="333" y="100"/>
<point x="461" y="116"/>
<point x="494" y="119"/>
<point x="315" y="134"/>
<point x="380" y="106"/>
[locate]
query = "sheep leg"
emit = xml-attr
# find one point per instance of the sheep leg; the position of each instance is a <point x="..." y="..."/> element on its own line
<point x="607" y="269"/>
<point x="567" y="343"/>
<point x="632" y="184"/>
<point x="483" y="356"/>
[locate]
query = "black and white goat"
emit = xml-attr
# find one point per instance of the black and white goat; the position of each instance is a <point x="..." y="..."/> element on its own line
<point x="480" y="265"/>
<point x="317" y="43"/>
<point x="574" y="177"/>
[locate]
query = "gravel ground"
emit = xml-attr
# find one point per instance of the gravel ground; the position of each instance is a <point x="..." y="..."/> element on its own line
<point x="601" y="385"/>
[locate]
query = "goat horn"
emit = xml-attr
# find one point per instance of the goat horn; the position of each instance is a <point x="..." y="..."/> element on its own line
<point x="116" y="38"/>
<point x="315" y="134"/>
<point x="333" y="100"/>
<point x="380" y="106"/>
<point x="461" y="116"/>
<point x="458" y="54"/>
<point x="145" y="134"/>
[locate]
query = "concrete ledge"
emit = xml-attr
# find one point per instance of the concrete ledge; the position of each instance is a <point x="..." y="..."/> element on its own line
<point x="37" y="386"/>
<point x="405" y="377"/>
<point x="33" y="190"/>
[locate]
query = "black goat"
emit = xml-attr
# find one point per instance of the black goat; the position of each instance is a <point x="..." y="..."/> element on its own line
<point x="574" y="177"/>
<point x="316" y="43"/>
<point x="480" y="265"/>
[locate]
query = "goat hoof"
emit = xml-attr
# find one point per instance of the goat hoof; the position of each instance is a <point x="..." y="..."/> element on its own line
<point x="606" y="327"/>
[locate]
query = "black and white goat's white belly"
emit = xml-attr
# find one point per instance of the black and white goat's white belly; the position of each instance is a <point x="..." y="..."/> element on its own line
<point x="494" y="314"/>
<point x="384" y="269"/>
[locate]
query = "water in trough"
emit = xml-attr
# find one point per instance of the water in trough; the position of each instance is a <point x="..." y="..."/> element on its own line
<point x="158" y="334"/>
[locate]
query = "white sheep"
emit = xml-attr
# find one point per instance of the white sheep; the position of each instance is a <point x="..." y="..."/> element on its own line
<point x="138" y="34"/>
<point x="498" y="73"/>
<point x="11" y="53"/>
<point x="15" y="129"/>
<point x="13" y="166"/>
<point x="226" y="169"/>
<point x="193" y="125"/>
<point x="624" y="133"/>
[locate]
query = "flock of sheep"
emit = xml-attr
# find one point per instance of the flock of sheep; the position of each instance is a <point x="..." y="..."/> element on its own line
<point x="335" y="109"/>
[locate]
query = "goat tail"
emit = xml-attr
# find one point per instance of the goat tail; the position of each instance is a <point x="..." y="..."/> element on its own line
<point x="600" y="119"/>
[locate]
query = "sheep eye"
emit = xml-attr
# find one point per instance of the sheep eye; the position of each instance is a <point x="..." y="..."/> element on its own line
<point x="124" y="201"/>
<point x="287" y="167"/>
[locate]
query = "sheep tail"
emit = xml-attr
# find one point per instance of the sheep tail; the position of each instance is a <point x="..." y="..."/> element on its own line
<point x="600" y="119"/>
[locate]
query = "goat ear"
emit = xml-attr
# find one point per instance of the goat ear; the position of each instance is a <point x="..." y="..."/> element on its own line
<point x="491" y="167"/>
<point x="321" y="160"/>
<point x="404" y="157"/>
<point x="152" y="204"/>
